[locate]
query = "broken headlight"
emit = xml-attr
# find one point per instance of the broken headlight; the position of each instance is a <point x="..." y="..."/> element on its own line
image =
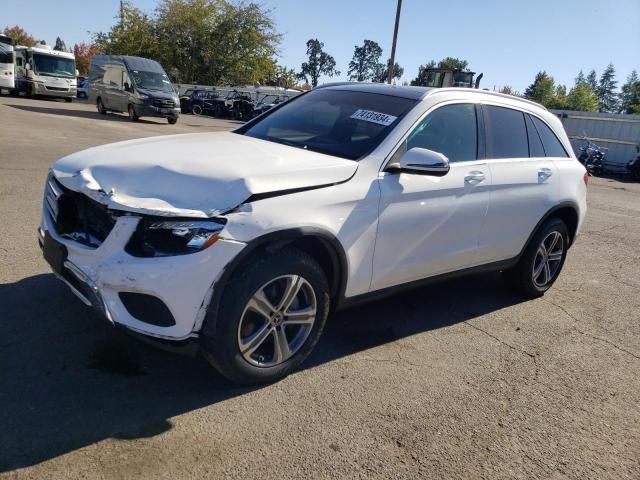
<point x="163" y="238"/>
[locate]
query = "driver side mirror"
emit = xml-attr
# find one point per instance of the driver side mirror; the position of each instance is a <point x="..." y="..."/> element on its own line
<point x="27" y="66"/>
<point x="423" y="161"/>
<point x="127" y="87"/>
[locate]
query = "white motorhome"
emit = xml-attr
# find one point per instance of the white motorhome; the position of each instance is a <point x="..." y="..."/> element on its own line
<point x="43" y="71"/>
<point x="7" y="63"/>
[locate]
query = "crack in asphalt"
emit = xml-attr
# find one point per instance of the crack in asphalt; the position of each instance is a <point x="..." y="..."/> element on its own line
<point x="595" y="337"/>
<point x="531" y="355"/>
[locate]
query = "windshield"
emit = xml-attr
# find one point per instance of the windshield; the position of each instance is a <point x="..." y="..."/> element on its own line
<point x="152" y="81"/>
<point x="54" y="66"/>
<point x="343" y="123"/>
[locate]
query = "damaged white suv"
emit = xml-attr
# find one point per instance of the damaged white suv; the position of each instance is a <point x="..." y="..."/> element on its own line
<point x="244" y="241"/>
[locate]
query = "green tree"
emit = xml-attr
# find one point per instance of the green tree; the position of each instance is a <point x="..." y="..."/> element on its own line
<point x="582" y="98"/>
<point x="319" y="63"/>
<point x="133" y="34"/>
<point x="382" y="72"/>
<point x="580" y="79"/>
<point x="630" y="96"/>
<point x="365" y="62"/>
<point x="606" y="90"/>
<point x="19" y="36"/>
<point x="60" y="45"/>
<point x="199" y="41"/>
<point x="454" y="64"/>
<point x="592" y="80"/>
<point x="542" y="90"/>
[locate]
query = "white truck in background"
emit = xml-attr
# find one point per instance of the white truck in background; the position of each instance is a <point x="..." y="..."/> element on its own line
<point x="43" y="71"/>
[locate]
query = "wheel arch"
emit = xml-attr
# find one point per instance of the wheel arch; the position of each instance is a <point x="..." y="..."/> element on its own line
<point x="317" y="242"/>
<point x="565" y="211"/>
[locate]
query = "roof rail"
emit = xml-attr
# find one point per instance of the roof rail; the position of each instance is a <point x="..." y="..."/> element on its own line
<point x="488" y="92"/>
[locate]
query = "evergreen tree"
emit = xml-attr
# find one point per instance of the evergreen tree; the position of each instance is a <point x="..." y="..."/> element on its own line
<point x="582" y="98"/>
<point x="581" y="79"/>
<point x="606" y="90"/>
<point x="592" y="80"/>
<point x="630" y="96"/>
<point x="60" y="45"/>
<point x="542" y="90"/>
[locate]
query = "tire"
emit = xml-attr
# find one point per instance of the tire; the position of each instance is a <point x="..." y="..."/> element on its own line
<point x="68" y="100"/>
<point x="133" y="116"/>
<point x="196" y="109"/>
<point x="635" y="170"/>
<point x="537" y="269"/>
<point x="100" y="107"/>
<point x="239" y="324"/>
<point x="172" y="120"/>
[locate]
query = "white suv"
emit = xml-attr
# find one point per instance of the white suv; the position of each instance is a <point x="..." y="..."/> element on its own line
<point x="246" y="240"/>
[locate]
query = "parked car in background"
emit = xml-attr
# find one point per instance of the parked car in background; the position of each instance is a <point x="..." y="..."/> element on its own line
<point x="135" y="85"/>
<point x="198" y="102"/>
<point x="244" y="241"/>
<point x="83" y="87"/>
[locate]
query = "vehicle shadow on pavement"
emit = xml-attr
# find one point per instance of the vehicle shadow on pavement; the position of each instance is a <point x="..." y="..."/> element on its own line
<point x="69" y="380"/>
<point x="110" y="117"/>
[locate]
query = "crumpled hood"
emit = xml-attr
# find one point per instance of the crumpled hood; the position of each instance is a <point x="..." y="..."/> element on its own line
<point x="201" y="175"/>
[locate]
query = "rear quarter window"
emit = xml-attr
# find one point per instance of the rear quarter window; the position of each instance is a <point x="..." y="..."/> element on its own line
<point x="552" y="146"/>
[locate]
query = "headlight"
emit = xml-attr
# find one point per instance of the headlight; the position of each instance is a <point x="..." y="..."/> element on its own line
<point x="140" y="96"/>
<point x="163" y="238"/>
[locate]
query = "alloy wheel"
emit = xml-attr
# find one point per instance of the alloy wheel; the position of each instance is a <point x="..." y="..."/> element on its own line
<point x="546" y="263"/>
<point x="277" y="320"/>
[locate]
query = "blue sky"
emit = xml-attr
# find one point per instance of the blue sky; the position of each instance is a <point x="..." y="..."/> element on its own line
<point x="508" y="40"/>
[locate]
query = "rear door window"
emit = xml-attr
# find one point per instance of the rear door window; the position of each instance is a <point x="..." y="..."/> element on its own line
<point x="552" y="146"/>
<point x="506" y="133"/>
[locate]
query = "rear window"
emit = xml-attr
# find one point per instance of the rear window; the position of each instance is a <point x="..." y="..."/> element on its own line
<point x="506" y="133"/>
<point x="343" y="123"/>
<point x="552" y="146"/>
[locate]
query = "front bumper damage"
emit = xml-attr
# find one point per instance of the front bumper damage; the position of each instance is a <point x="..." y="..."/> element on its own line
<point x="97" y="276"/>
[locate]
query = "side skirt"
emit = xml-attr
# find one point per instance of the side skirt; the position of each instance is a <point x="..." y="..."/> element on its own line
<point x="348" y="302"/>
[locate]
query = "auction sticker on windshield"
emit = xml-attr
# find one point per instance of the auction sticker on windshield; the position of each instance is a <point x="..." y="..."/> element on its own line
<point x="373" y="117"/>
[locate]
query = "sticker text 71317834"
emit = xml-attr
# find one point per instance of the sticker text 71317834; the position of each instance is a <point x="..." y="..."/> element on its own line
<point x="373" y="117"/>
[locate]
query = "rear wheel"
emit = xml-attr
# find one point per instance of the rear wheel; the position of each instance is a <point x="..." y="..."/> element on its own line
<point x="270" y="318"/>
<point x="133" y="116"/>
<point x="543" y="259"/>
<point x="100" y="107"/>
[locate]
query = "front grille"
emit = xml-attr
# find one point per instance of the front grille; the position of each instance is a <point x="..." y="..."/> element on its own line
<point x="56" y="89"/>
<point x="163" y="103"/>
<point x="76" y="216"/>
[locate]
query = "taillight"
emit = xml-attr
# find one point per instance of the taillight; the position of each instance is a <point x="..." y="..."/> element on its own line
<point x="585" y="177"/>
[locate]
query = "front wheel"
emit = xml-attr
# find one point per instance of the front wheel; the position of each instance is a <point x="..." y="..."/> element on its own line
<point x="100" y="107"/>
<point x="196" y="110"/>
<point x="172" y="120"/>
<point x="68" y="100"/>
<point x="541" y="262"/>
<point x="133" y="116"/>
<point x="270" y="318"/>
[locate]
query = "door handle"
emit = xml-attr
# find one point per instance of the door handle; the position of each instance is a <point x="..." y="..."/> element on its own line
<point x="544" y="174"/>
<point x="474" y="177"/>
